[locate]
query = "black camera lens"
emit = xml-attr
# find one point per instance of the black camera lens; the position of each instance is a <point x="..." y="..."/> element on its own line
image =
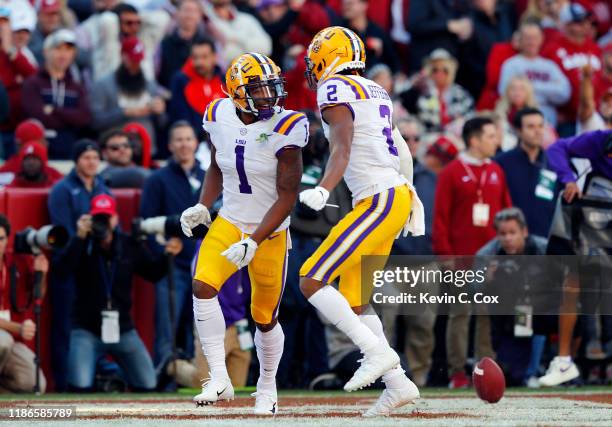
<point x="100" y="226"/>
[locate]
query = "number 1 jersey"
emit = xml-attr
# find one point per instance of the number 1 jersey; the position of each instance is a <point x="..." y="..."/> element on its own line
<point x="374" y="162"/>
<point x="247" y="157"/>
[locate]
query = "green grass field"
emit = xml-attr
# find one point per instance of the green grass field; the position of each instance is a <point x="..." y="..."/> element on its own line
<point x="562" y="406"/>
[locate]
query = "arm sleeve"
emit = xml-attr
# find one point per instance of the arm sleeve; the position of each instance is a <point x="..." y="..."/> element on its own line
<point x="506" y="198"/>
<point x="150" y="265"/>
<point x="406" y="162"/>
<point x="504" y="77"/>
<point x="22" y="66"/>
<point x="422" y="23"/>
<point x="297" y="137"/>
<point x="67" y="260"/>
<point x="178" y="108"/>
<point x="105" y="113"/>
<point x="60" y="208"/>
<point x="559" y="161"/>
<point x="557" y="90"/>
<point x="441" y="215"/>
<point x="152" y="195"/>
<point x="337" y="90"/>
<point x="209" y="119"/>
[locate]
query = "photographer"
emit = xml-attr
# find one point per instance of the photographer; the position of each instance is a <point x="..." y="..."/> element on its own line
<point x="104" y="261"/>
<point x="17" y="366"/>
<point x="513" y="239"/>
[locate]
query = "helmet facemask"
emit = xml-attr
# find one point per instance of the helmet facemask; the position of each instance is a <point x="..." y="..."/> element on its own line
<point x="263" y="98"/>
<point x="311" y="79"/>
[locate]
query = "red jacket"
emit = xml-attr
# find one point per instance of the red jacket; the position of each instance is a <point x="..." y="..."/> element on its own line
<point x="301" y="97"/>
<point x="456" y="194"/>
<point x="571" y="57"/>
<point x="12" y="75"/>
<point x="23" y="266"/>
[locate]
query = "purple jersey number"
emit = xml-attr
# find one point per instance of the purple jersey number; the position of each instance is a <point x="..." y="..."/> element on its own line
<point x="331" y="93"/>
<point x="244" y="186"/>
<point x="385" y="112"/>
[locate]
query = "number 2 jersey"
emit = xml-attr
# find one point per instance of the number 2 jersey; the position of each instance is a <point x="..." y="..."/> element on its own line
<point x="247" y="157"/>
<point x="374" y="162"/>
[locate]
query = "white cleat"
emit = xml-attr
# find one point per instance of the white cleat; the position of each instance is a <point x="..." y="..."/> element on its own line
<point x="372" y="367"/>
<point x="265" y="403"/>
<point x="559" y="372"/>
<point x="214" y="390"/>
<point x="391" y="399"/>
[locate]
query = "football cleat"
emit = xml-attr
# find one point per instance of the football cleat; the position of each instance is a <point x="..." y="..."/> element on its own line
<point x="265" y="403"/>
<point x="559" y="372"/>
<point x="372" y="367"/>
<point x="214" y="390"/>
<point x="393" y="398"/>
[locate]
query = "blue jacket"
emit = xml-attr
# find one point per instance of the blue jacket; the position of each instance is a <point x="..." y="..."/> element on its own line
<point x="425" y="183"/>
<point x="168" y="192"/>
<point x="69" y="199"/>
<point x="522" y="177"/>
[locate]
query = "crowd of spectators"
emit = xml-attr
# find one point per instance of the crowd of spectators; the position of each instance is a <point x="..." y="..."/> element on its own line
<point x="482" y="89"/>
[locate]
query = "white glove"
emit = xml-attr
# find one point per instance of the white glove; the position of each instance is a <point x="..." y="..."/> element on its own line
<point x="241" y="253"/>
<point x="315" y="198"/>
<point x="194" y="216"/>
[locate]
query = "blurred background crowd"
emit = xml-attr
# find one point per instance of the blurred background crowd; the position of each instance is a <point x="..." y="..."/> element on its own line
<point x="99" y="95"/>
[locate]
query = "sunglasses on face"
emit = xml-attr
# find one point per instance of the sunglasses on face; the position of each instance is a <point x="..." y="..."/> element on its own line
<point x="117" y="147"/>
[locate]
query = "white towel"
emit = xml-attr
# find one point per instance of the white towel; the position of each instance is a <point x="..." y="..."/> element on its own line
<point x="416" y="220"/>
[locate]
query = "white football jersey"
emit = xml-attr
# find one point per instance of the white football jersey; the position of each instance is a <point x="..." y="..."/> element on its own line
<point x="247" y="157"/>
<point x="374" y="162"/>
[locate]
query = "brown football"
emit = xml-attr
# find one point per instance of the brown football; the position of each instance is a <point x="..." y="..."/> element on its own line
<point x="489" y="380"/>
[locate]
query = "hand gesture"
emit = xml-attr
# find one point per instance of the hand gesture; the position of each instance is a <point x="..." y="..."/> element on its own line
<point x="174" y="246"/>
<point x="27" y="330"/>
<point x="84" y="226"/>
<point x="41" y="264"/>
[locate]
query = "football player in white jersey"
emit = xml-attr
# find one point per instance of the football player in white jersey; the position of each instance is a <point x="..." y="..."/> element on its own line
<point x="257" y="163"/>
<point x="377" y="169"/>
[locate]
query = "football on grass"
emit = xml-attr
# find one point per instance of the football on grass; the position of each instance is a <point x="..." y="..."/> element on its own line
<point x="489" y="380"/>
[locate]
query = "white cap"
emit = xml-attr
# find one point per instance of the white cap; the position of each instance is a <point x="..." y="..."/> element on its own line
<point x="59" y="37"/>
<point x="23" y="19"/>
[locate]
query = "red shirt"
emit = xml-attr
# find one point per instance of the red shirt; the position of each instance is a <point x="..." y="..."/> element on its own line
<point x="571" y="57"/>
<point x="454" y="232"/>
<point x="500" y="52"/>
<point x="24" y="275"/>
<point x="601" y="85"/>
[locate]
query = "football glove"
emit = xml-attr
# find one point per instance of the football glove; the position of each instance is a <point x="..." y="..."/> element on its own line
<point x="241" y="253"/>
<point x="194" y="216"/>
<point x="315" y="198"/>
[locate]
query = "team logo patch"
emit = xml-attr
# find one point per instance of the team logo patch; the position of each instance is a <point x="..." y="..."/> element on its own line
<point x="243" y="131"/>
<point x="263" y="138"/>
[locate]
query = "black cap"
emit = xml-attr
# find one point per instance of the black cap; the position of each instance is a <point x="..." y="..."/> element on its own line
<point x="83" y="145"/>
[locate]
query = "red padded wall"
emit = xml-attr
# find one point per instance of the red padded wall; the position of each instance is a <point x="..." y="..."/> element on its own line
<point x="28" y="207"/>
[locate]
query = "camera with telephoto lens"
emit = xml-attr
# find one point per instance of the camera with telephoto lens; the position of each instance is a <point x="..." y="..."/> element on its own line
<point x="100" y="227"/>
<point x="167" y="226"/>
<point x="32" y="241"/>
